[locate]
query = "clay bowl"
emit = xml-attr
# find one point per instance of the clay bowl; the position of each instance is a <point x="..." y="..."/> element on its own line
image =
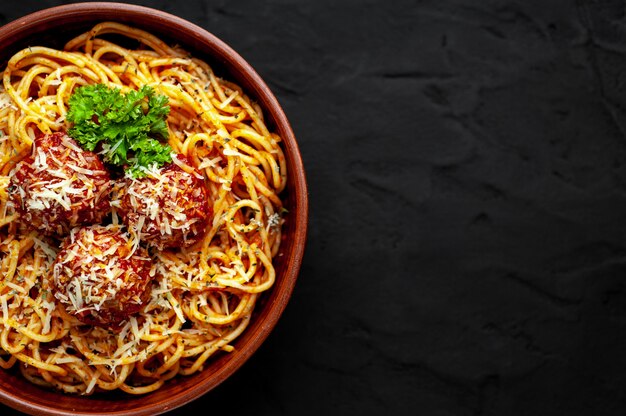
<point x="53" y="27"/>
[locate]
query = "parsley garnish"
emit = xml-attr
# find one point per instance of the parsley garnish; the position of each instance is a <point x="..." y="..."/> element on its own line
<point x="128" y="126"/>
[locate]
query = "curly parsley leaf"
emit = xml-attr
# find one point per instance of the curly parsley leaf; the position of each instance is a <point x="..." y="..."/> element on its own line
<point x="130" y="126"/>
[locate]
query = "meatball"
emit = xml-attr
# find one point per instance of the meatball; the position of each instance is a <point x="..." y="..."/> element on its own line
<point x="60" y="186"/>
<point x="101" y="276"/>
<point x="166" y="208"/>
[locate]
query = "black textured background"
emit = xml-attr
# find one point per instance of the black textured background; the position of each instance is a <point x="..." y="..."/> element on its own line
<point x="466" y="164"/>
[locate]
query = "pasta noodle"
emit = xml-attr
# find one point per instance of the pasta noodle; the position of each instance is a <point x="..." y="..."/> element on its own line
<point x="203" y="296"/>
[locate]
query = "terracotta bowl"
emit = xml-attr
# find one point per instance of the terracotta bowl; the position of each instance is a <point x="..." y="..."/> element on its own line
<point x="53" y="27"/>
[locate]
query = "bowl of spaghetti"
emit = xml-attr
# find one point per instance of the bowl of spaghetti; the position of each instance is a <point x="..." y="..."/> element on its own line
<point x="153" y="211"/>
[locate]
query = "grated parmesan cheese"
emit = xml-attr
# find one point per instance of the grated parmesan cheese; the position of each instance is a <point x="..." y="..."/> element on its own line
<point x="5" y="310"/>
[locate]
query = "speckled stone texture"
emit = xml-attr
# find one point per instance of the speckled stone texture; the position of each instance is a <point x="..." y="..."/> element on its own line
<point x="466" y="163"/>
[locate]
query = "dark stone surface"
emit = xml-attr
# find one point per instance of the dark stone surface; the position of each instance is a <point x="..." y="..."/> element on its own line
<point x="467" y="251"/>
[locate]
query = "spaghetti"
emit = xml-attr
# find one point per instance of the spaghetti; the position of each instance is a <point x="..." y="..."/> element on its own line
<point x="202" y="296"/>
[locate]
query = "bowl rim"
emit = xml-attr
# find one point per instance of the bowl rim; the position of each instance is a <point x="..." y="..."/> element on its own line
<point x="297" y="176"/>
